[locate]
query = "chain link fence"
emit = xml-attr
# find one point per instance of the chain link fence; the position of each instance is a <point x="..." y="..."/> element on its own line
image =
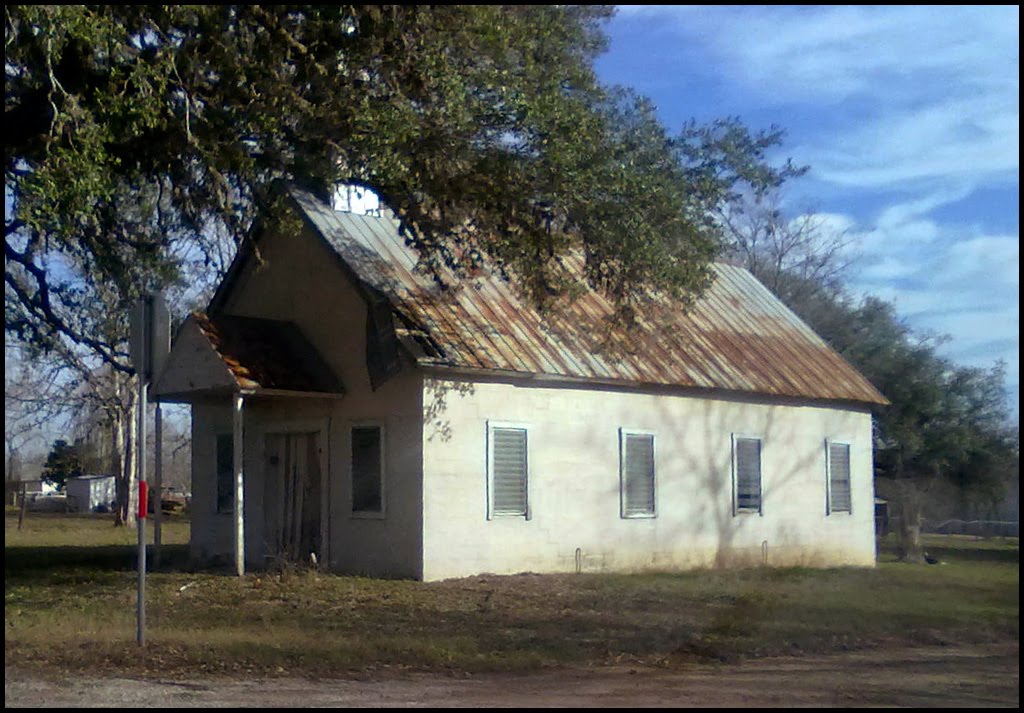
<point x="976" y="528"/>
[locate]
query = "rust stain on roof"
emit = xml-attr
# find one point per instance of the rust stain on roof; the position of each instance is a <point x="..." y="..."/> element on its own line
<point x="736" y="337"/>
<point x="267" y="354"/>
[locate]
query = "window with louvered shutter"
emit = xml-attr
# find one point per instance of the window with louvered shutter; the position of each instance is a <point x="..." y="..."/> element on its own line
<point x="636" y="452"/>
<point x="508" y="471"/>
<point x="839" y="477"/>
<point x="748" y="474"/>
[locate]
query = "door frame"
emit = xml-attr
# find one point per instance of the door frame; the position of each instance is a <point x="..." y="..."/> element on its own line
<point x="321" y="426"/>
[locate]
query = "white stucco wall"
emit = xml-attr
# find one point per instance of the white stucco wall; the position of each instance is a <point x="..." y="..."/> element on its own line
<point x="301" y="281"/>
<point x="574" y="482"/>
<point x="210" y="534"/>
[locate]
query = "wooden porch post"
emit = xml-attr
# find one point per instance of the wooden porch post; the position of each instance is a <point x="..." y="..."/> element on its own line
<point x="239" y="454"/>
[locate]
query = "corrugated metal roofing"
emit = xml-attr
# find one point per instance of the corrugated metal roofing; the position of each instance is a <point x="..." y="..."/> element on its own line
<point x="267" y="354"/>
<point x="737" y="337"/>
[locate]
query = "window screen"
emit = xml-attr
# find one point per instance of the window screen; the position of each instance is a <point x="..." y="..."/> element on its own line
<point x="508" y="471"/>
<point x="225" y="473"/>
<point x="839" y="477"/>
<point x="367" y="463"/>
<point x="637" y="472"/>
<point x="748" y="475"/>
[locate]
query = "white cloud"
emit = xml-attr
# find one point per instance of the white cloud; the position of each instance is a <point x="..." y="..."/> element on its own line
<point x="834" y="223"/>
<point x="970" y="139"/>
<point x="898" y="215"/>
<point x="987" y="259"/>
<point x="891" y="240"/>
<point x="886" y="270"/>
<point x="905" y="93"/>
<point x="832" y="52"/>
<point x="966" y="287"/>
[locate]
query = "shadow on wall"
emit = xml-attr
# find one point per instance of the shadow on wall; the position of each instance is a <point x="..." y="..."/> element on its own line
<point x="434" y="423"/>
<point x="705" y="461"/>
<point x="712" y="466"/>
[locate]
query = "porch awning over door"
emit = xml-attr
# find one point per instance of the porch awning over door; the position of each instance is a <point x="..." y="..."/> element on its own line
<point x="225" y="354"/>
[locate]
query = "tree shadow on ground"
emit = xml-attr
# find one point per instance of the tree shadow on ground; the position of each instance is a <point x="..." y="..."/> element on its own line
<point x="25" y="564"/>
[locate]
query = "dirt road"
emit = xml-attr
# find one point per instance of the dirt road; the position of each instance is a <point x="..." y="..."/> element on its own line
<point x="925" y="677"/>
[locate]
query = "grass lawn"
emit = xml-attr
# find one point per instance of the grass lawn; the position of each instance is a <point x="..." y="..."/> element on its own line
<point x="70" y="604"/>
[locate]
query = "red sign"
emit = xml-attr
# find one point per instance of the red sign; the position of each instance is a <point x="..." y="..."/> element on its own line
<point x="143" y="497"/>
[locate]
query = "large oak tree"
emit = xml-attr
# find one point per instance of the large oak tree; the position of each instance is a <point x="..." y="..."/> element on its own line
<point x="132" y="129"/>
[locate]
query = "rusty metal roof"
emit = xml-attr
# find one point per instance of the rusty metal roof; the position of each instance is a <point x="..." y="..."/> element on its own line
<point x="267" y="354"/>
<point x="738" y="337"/>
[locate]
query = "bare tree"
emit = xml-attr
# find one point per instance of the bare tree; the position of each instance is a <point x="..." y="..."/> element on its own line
<point x="46" y="394"/>
<point x="793" y="257"/>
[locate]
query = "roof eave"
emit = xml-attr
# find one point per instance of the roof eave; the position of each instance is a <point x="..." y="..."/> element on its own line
<point x="433" y="368"/>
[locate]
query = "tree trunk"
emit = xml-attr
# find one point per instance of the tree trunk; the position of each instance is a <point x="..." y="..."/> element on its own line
<point x="909" y="547"/>
<point x="12" y="481"/>
<point x="117" y="463"/>
<point x="127" y="495"/>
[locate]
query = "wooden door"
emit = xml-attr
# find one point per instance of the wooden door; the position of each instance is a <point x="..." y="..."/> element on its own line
<point x="292" y="497"/>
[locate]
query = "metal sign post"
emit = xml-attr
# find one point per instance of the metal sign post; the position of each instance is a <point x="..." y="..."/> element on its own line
<point x="149" y="343"/>
<point x="140" y="608"/>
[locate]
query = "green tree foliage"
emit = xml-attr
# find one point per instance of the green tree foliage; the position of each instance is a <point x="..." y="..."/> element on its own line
<point x="62" y="463"/>
<point x="133" y="130"/>
<point x="727" y="164"/>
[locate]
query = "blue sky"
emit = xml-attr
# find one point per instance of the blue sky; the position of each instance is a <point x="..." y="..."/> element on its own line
<point x="909" y="118"/>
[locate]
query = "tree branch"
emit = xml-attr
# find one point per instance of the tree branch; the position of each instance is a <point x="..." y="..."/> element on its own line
<point x="39" y="304"/>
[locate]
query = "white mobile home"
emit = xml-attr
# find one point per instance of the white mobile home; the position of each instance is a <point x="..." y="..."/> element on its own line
<point x="345" y="405"/>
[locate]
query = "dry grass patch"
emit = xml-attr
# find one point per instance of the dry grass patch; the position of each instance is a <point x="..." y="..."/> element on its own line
<point x="79" y="614"/>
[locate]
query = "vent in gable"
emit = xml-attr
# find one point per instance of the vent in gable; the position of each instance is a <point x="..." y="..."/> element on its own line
<point x="383" y="357"/>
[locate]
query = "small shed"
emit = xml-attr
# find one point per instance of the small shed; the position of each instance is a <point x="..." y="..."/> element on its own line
<point x="91" y="493"/>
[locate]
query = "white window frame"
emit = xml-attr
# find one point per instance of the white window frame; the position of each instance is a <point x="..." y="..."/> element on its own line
<point x="736" y="510"/>
<point x="491" y="427"/>
<point x="623" y="434"/>
<point x="829" y="509"/>
<point x="368" y="514"/>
